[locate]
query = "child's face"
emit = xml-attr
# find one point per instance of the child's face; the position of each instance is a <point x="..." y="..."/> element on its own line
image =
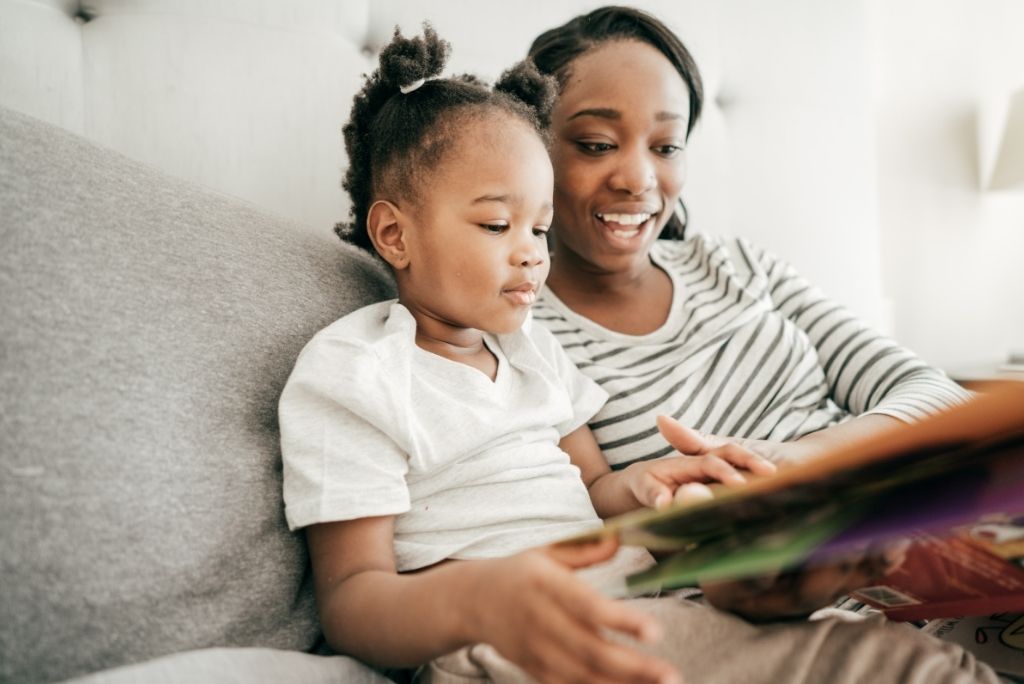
<point x="476" y="244"/>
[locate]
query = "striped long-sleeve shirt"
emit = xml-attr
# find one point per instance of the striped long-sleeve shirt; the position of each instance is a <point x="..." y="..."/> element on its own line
<point x="749" y="349"/>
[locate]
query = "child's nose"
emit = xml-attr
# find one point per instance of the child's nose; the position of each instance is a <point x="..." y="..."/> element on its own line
<point x="530" y="252"/>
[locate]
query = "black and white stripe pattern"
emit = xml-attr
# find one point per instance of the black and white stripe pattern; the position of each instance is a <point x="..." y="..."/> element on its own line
<point x="750" y="349"/>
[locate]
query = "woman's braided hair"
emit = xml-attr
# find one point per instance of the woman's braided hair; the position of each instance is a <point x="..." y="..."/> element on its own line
<point x="394" y="138"/>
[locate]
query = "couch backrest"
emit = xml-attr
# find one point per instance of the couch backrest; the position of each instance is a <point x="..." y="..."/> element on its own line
<point x="147" y="327"/>
<point x="248" y="97"/>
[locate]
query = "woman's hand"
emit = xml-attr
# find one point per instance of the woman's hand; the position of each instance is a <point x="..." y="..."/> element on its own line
<point x="803" y="590"/>
<point x="539" y="615"/>
<point x="657" y="483"/>
<point x="688" y="441"/>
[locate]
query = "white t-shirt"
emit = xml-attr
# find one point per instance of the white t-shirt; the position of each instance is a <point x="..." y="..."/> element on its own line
<point x="373" y="425"/>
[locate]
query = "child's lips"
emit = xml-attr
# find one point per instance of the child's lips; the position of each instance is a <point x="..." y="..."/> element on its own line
<point x="524" y="293"/>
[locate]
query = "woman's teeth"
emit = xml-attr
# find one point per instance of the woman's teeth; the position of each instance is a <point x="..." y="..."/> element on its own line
<point x="618" y="223"/>
<point x="625" y="219"/>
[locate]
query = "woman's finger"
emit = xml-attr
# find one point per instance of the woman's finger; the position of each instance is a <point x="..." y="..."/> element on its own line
<point x="683" y="439"/>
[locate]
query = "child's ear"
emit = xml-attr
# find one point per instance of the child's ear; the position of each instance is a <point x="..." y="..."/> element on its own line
<point x="387" y="233"/>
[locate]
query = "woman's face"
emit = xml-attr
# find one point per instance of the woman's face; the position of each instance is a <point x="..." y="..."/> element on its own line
<point x="619" y="132"/>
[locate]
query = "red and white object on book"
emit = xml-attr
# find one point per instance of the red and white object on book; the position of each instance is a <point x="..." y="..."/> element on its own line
<point x="976" y="571"/>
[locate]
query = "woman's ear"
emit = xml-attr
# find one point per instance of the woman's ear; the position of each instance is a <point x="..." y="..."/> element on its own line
<point x="387" y="233"/>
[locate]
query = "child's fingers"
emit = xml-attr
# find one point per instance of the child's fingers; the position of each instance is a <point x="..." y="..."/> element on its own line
<point x="584" y="655"/>
<point x="598" y="660"/>
<point x="596" y="611"/>
<point x="580" y="555"/>
<point x="654" y="493"/>
<point x="743" y="457"/>
<point x="692" y="492"/>
<point x="717" y="468"/>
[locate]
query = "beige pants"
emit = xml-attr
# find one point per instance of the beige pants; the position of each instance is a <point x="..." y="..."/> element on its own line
<point x="708" y="645"/>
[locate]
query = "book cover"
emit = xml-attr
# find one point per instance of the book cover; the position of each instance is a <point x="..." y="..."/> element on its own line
<point x="952" y="482"/>
<point x="976" y="570"/>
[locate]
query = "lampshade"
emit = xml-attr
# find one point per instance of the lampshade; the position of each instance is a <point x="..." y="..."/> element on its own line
<point x="1001" y="142"/>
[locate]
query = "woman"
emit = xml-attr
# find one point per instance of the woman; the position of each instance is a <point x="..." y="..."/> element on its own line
<point x="716" y="333"/>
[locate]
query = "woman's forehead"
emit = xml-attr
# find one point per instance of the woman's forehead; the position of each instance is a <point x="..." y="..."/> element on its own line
<point x="623" y="73"/>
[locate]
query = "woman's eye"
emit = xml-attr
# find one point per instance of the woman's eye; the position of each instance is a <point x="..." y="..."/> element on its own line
<point x="494" y="228"/>
<point x="668" y="150"/>
<point x="594" y="147"/>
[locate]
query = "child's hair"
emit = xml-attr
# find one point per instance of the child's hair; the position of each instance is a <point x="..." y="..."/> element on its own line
<point x="405" y="119"/>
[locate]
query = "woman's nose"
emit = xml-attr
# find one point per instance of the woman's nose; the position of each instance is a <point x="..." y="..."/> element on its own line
<point x="634" y="174"/>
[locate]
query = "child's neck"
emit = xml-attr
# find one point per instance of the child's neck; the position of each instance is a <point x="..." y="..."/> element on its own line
<point x="462" y="345"/>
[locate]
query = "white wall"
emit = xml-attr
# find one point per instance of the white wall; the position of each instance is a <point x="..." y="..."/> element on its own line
<point x="952" y="254"/>
<point x="838" y="134"/>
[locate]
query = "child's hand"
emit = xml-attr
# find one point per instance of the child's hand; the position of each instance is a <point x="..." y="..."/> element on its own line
<point x="539" y="615"/>
<point x="657" y="483"/>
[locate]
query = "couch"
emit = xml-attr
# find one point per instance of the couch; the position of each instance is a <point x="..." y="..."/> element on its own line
<point x="168" y="180"/>
<point x="148" y="326"/>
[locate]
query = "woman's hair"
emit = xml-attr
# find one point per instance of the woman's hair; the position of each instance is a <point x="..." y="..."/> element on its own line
<point x="405" y="119"/>
<point x="556" y="49"/>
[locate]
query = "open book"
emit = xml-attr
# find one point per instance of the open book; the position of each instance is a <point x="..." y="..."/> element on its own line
<point x="953" y="483"/>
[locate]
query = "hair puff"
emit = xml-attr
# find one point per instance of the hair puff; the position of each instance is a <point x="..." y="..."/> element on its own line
<point x="528" y="85"/>
<point x="407" y="60"/>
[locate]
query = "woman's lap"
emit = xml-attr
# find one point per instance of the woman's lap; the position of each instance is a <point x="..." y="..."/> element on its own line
<point x="709" y="645"/>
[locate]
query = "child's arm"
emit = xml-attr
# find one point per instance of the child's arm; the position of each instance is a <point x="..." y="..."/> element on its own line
<point x="657" y="482"/>
<point x="530" y="607"/>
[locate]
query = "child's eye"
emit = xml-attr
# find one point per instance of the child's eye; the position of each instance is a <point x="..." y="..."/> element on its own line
<point x="494" y="228"/>
<point x="540" y="231"/>
<point x="594" y="147"/>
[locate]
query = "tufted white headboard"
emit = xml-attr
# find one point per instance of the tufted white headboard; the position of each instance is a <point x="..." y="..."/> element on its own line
<point x="248" y="97"/>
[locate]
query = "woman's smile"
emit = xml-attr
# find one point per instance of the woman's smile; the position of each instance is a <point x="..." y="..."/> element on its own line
<point x="625" y="226"/>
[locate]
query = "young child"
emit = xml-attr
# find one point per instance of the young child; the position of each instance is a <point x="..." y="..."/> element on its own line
<point x="442" y="426"/>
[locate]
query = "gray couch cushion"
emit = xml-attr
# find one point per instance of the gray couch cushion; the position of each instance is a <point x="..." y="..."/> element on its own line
<point x="239" y="666"/>
<point x="147" y="329"/>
